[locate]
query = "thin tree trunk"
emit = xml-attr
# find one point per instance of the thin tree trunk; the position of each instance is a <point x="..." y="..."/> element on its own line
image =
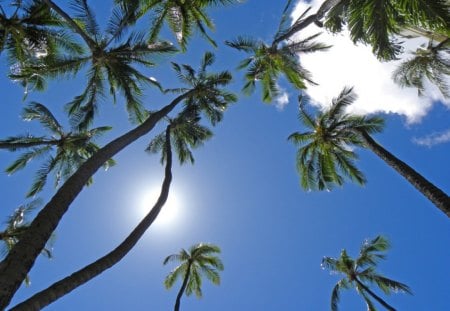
<point x="17" y="264"/>
<point x="183" y="288"/>
<point x="92" y="45"/>
<point x="433" y="193"/>
<point x="375" y="296"/>
<point x="66" y="285"/>
<point x="321" y="12"/>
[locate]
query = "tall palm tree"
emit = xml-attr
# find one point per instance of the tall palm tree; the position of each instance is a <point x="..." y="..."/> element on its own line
<point x="431" y="63"/>
<point x="181" y="134"/>
<point x="324" y="157"/>
<point x="182" y="16"/>
<point x="29" y="30"/>
<point x="16" y="225"/>
<point x="267" y="62"/>
<point x="362" y="270"/>
<point x="199" y="259"/>
<point x="107" y="58"/>
<point x="71" y="149"/>
<point x="205" y="93"/>
<point x="377" y="22"/>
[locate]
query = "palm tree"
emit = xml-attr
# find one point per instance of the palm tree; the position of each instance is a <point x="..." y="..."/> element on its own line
<point x="362" y="270"/>
<point x="324" y="157"/>
<point x="430" y="64"/>
<point x="32" y="31"/>
<point x="108" y="58"/>
<point x="181" y="134"/>
<point x="204" y="93"/>
<point x="16" y="225"/>
<point x="199" y="259"/>
<point x="182" y="17"/>
<point x="267" y="62"/>
<point x="71" y="149"/>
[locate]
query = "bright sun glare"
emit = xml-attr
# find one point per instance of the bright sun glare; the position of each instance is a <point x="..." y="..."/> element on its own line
<point x="170" y="212"/>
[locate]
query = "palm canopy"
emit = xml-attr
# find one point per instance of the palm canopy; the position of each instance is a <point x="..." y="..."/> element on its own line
<point x="71" y="149"/>
<point x="30" y="30"/>
<point x="200" y="259"/>
<point x="266" y="63"/>
<point x="183" y="17"/>
<point x="186" y="133"/>
<point x="431" y="63"/>
<point x="325" y="157"/>
<point x="377" y="22"/>
<point x="16" y="225"/>
<point x="361" y="271"/>
<point x="111" y="56"/>
<point x="206" y="92"/>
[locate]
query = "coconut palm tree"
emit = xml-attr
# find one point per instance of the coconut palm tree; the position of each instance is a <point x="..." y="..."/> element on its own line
<point x="70" y="149"/>
<point x="182" y="17"/>
<point x="16" y="225"/>
<point x="107" y="58"/>
<point x="360" y="272"/>
<point x="325" y="157"/>
<point x="378" y="22"/>
<point x="431" y="63"/>
<point x="204" y="93"/>
<point x="29" y="30"/>
<point x="199" y="260"/>
<point x="267" y="62"/>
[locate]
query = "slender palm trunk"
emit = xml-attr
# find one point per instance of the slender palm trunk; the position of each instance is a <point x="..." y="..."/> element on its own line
<point x="15" y="267"/>
<point x="433" y="193"/>
<point x="183" y="288"/>
<point x="66" y="285"/>
<point x="375" y="296"/>
<point x="321" y="12"/>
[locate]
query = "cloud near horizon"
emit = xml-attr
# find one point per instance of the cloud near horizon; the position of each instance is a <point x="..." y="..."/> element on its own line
<point x="346" y="64"/>
<point x="433" y="139"/>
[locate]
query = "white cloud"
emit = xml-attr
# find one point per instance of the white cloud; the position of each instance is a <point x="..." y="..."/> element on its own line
<point x="433" y="139"/>
<point x="348" y="65"/>
<point x="282" y="100"/>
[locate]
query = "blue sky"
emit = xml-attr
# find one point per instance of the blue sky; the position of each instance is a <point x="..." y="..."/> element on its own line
<point x="242" y="194"/>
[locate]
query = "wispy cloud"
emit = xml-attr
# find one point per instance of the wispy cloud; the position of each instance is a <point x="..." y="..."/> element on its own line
<point x="433" y="139"/>
<point x="282" y="100"/>
<point x="348" y="65"/>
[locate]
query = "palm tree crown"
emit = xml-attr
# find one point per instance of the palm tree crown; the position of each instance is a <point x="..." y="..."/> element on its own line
<point x="325" y="156"/>
<point x="199" y="260"/>
<point x="362" y="271"/>
<point x="71" y="149"/>
<point x="267" y="62"/>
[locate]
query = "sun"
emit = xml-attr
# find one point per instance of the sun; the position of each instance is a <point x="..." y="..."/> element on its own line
<point x="170" y="212"/>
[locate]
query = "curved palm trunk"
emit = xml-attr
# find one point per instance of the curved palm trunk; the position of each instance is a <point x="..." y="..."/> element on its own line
<point x="375" y="296"/>
<point x="183" y="288"/>
<point x="14" y="268"/>
<point x="433" y="193"/>
<point x="323" y="9"/>
<point x="66" y="285"/>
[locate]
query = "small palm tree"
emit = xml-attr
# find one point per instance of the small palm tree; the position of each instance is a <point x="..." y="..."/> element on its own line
<point x="71" y="149"/>
<point x="198" y="260"/>
<point x="16" y="225"/>
<point x="267" y="62"/>
<point x="361" y="271"/>
<point x="325" y="157"/>
<point x="431" y="63"/>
